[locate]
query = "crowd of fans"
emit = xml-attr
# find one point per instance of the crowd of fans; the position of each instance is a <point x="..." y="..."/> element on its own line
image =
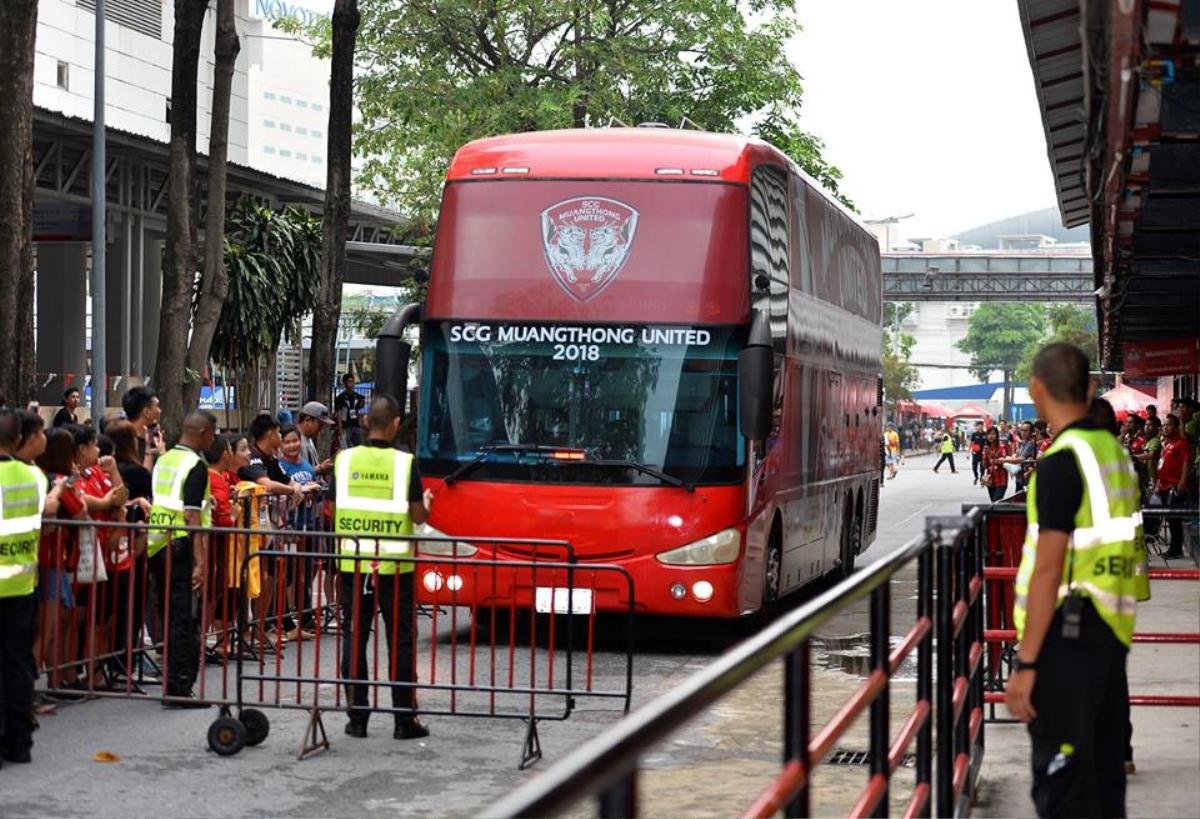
<point x="1165" y="452"/>
<point x="95" y="588"/>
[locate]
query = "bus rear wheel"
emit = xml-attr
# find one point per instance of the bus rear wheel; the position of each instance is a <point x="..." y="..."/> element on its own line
<point x="851" y="537"/>
<point x="773" y="568"/>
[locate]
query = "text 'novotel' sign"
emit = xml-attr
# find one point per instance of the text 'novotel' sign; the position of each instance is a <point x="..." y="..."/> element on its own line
<point x="278" y="9"/>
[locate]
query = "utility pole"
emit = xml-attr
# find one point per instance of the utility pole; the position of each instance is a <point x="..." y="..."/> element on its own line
<point x="99" y="223"/>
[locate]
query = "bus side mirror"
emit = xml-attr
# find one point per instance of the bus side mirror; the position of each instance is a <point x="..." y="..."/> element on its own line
<point x="391" y="354"/>
<point x="756" y="380"/>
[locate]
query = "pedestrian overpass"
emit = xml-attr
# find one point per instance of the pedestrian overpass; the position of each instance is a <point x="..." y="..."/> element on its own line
<point x="988" y="276"/>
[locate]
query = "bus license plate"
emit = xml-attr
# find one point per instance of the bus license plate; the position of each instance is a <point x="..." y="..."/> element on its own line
<point x="561" y="600"/>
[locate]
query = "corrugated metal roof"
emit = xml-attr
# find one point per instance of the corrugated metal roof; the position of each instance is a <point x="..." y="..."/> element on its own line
<point x="1054" y="40"/>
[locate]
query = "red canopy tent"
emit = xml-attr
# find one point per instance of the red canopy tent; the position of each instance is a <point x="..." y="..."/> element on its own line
<point x="934" y="410"/>
<point x="971" y="410"/>
<point x="1126" y="399"/>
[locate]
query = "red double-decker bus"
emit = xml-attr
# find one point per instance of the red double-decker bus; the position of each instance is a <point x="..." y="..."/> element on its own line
<point x="662" y="346"/>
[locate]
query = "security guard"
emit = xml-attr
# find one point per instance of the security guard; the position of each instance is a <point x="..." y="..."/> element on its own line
<point x="181" y="498"/>
<point x="377" y="492"/>
<point x="1077" y="591"/>
<point x="22" y="497"/>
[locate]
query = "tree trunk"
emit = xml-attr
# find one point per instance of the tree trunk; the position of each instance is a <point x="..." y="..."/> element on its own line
<point x="18" y="30"/>
<point x="335" y="222"/>
<point x="178" y="274"/>
<point x="1006" y="410"/>
<point x="214" y="282"/>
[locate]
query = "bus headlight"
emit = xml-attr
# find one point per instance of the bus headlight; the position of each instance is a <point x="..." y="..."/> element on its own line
<point x="723" y="547"/>
<point x="431" y="548"/>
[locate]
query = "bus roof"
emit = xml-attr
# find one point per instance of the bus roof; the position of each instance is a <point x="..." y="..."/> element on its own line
<point x="614" y="153"/>
<point x="625" y="153"/>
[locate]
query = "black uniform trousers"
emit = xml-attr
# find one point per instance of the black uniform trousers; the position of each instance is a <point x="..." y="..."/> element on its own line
<point x="1079" y="737"/>
<point x="182" y="631"/>
<point x="17" y="673"/>
<point x="392" y="596"/>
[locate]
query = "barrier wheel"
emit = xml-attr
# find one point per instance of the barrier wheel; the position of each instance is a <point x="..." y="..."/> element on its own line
<point x="226" y="736"/>
<point x="256" y="724"/>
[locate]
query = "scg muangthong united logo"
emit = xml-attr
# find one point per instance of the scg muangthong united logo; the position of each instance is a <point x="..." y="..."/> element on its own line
<point x="587" y="240"/>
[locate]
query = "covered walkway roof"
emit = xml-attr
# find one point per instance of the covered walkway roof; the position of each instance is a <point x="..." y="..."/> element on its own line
<point x="137" y="182"/>
<point x="1118" y="85"/>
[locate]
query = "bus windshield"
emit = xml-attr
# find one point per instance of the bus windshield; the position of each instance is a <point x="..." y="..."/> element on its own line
<point x="664" y="397"/>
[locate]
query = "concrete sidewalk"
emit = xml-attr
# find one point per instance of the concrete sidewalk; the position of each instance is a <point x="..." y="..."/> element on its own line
<point x="1166" y="741"/>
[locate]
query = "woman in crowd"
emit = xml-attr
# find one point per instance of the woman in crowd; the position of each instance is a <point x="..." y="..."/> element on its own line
<point x="58" y="558"/>
<point x="128" y="559"/>
<point x="104" y="494"/>
<point x="303" y="519"/>
<point x="995" y="476"/>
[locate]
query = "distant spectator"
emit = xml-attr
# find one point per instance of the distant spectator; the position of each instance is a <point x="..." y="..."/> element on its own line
<point x="66" y="415"/>
<point x="1101" y="412"/>
<point x="891" y="450"/>
<point x="1152" y="413"/>
<point x="947" y="453"/>
<point x="313" y="416"/>
<point x="142" y="410"/>
<point x="978" y="441"/>
<point x="33" y="436"/>
<point x="1025" y="455"/>
<point x="1171" y="483"/>
<point x="995" y="477"/>
<point x="348" y="408"/>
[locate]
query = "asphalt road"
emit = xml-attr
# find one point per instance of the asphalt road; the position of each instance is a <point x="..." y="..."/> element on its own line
<point x="712" y="768"/>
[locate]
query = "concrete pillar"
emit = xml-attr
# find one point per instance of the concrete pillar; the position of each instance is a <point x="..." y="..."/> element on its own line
<point x="117" y="262"/>
<point x="61" y="317"/>
<point x="151" y="301"/>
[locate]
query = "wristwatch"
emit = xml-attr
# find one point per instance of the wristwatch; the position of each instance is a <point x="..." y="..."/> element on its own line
<point x="1024" y="665"/>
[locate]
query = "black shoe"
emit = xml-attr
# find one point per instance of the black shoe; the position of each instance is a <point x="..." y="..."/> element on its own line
<point x="1173" y="554"/>
<point x="356" y="729"/>
<point x="410" y="729"/>
<point x="23" y="756"/>
<point x="184" y="700"/>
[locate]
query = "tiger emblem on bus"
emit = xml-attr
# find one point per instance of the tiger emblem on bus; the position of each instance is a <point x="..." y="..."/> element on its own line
<point x="587" y="240"/>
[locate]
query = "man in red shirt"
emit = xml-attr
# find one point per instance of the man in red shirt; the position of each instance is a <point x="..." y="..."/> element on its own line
<point x="1171" y="483"/>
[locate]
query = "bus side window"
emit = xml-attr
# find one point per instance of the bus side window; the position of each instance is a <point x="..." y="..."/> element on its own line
<point x="770" y="258"/>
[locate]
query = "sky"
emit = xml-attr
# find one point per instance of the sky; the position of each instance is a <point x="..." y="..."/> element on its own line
<point x="927" y="107"/>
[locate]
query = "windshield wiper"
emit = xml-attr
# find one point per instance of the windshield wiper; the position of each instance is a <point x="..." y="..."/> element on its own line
<point x="487" y="451"/>
<point x="648" y="470"/>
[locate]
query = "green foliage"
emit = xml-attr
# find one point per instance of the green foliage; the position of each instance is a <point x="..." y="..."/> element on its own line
<point x="1068" y="323"/>
<point x="899" y="376"/>
<point x="273" y="259"/>
<point x="1000" y="333"/>
<point x="434" y="75"/>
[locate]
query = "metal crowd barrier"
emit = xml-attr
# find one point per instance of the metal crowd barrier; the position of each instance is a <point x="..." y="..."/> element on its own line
<point x="960" y="690"/>
<point x="1003" y="530"/>
<point x="502" y="659"/>
<point x="607" y="767"/>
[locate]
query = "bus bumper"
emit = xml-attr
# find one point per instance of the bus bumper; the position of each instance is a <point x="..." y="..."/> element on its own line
<point x="693" y="591"/>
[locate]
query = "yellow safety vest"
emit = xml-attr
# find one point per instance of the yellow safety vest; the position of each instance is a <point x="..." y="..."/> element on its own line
<point x="170" y="474"/>
<point x="22" y="498"/>
<point x="1106" y="554"/>
<point x="371" y="508"/>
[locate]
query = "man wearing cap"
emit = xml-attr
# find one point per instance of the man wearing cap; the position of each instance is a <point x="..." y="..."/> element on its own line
<point x="313" y="416"/>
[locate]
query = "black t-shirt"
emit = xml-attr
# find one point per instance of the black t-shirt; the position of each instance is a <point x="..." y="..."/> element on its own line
<point x="347" y="406"/>
<point x="63" y="416"/>
<point x="1060" y="486"/>
<point x="261" y="466"/>
<point x="415" y="491"/>
<point x="979" y="438"/>
<point x="137" y="479"/>
<point x="195" y="485"/>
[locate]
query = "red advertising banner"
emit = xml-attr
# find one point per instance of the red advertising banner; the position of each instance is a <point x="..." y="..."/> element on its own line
<point x="1179" y="356"/>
